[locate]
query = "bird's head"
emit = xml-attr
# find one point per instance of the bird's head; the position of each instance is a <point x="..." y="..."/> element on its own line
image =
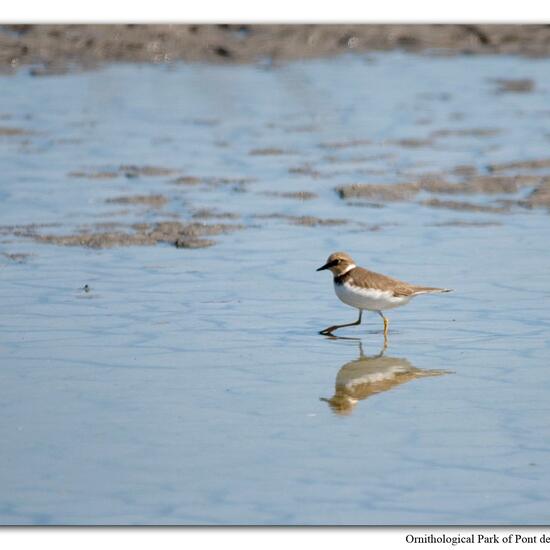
<point x="338" y="263"/>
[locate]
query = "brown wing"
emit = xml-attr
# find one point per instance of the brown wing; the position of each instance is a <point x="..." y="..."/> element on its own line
<point x="370" y="279"/>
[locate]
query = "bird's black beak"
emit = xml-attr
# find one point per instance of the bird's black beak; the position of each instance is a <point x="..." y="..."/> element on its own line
<point x="328" y="265"/>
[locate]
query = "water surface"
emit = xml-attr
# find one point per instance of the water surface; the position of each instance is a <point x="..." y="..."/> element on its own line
<point x="185" y="387"/>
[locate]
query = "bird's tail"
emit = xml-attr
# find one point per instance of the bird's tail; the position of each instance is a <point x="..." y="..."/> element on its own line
<point x="430" y="290"/>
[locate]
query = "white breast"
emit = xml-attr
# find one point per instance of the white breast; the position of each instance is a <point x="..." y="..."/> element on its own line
<point x="368" y="298"/>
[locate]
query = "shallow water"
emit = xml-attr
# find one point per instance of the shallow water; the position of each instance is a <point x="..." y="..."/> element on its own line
<point x="185" y="387"/>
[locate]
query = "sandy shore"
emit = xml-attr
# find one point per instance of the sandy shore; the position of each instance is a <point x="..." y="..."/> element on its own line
<point x="52" y="48"/>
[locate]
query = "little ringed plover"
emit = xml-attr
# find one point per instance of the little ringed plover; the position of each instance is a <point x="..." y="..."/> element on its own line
<point x="367" y="290"/>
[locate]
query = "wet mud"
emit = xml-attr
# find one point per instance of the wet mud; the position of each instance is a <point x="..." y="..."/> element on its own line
<point x="53" y="50"/>
<point x="297" y="195"/>
<point x="514" y="86"/>
<point x="17" y="257"/>
<point x="128" y="171"/>
<point x="155" y="201"/>
<point x="181" y="235"/>
<point x="533" y="164"/>
<point x="8" y="131"/>
<point x="464" y="206"/>
<point x="308" y="221"/>
<point x="477" y="185"/>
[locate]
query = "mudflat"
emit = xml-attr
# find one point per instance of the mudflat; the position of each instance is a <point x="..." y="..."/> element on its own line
<point x="57" y="48"/>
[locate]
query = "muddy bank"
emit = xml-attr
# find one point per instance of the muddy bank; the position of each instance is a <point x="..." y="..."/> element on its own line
<point x="478" y="185"/>
<point x="309" y="221"/>
<point x="128" y="171"/>
<point x="53" y="49"/>
<point x="181" y="235"/>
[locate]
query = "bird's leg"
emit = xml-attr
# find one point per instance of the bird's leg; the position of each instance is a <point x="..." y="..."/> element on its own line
<point x="328" y="331"/>
<point x="386" y="325"/>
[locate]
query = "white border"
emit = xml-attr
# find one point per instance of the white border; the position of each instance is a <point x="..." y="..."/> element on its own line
<point x="249" y="11"/>
<point x="255" y="538"/>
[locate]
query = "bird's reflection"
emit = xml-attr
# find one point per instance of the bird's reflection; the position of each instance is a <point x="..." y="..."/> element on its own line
<point x="371" y="374"/>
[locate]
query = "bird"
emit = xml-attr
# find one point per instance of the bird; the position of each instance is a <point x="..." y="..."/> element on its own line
<point x="367" y="290"/>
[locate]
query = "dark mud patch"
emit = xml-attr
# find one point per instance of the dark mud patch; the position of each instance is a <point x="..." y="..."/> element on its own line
<point x="171" y="231"/>
<point x="113" y="213"/>
<point x="532" y="164"/>
<point x="335" y="159"/>
<point x="309" y="221"/>
<point x="435" y="96"/>
<point x="464" y="170"/>
<point x="7" y="131"/>
<point x="483" y="185"/>
<point x="155" y="201"/>
<point x="134" y="171"/>
<point x="97" y="240"/>
<point x="207" y="122"/>
<point x="182" y="235"/>
<point x="312" y="221"/>
<point x="465" y="132"/>
<point x="213" y="181"/>
<point x="309" y="171"/>
<point x="104" y="226"/>
<point x="210" y="213"/>
<point x="412" y="143"/>
<point x="539" y="197"/>
<point x="305" y="170"/>
<point x="194" y="243"/>
<point x="56" y="69"/>
<point x="127" y="170"/>
<point x="366" y="204"/>
<point x="345" y="144"/>
<point x="373" y="191"/>
<point x="68" y="141"/>
<point x="269" y="151"/>
<point x="16" y="257"/>
<point x="25" y="230"/>
<point x="93" y="175"/>
<point x="293" y="128"/>
<point x="188" y="180"/>
<point x="296" y="195"/>
<point x="464" y="223"/>
<point x="464" y="206"/>
<point x="514" y="85"/>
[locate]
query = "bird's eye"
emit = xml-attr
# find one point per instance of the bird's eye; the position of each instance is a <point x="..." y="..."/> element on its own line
<point x="338" y="261"/>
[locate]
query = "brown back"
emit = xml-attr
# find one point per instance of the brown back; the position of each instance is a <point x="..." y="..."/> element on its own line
<point x="364" y="278"/>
